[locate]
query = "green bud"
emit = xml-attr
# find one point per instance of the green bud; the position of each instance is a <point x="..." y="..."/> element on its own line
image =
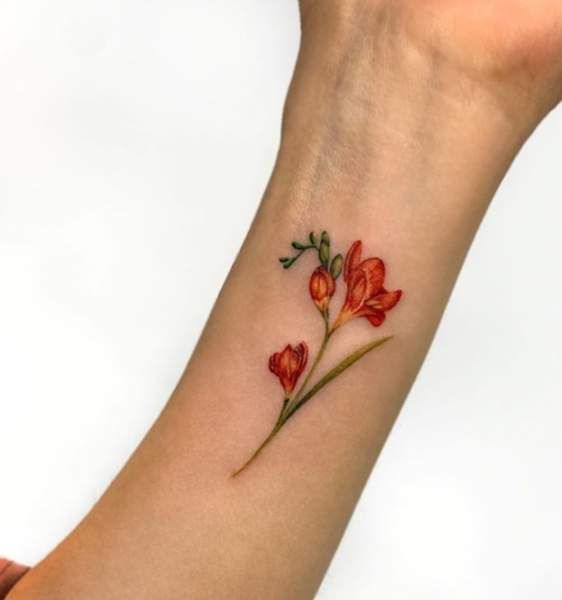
<point x="336" y="266"/>
<point x="325" y="238"/>
<point x="324" y="253"/>
<point x="312" y="238"/>
<point x="284" y="259"/>
<point x="297" y="246"/>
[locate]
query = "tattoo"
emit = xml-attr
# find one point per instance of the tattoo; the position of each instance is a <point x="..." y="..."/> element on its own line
<point x="365" y="297"/>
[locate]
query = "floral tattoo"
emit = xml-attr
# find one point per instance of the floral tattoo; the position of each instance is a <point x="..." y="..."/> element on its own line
<point x="365" y="297"/>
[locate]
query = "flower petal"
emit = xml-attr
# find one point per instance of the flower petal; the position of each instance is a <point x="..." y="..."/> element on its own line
<point x="352" y="259"/>
<point x="374" y="272"/>
<point x="376" y="318"/>
<point x="357" y="288"/>
<point x="321" y="287"/>
<point x="385" y="300"/>
<point x="273" y="367"/>
<point x="289" y="364"/>
<point x="302" y="350"/>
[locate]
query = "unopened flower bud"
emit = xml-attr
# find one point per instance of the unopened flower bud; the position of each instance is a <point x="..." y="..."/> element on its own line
<point x="336" y="266"/>
<point x="322" y="287"/>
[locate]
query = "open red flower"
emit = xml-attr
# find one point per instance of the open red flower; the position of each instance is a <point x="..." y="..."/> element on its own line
<point x="289" y="364"/>
<point x="322" y="287"/>
<point x="366" y="295"/>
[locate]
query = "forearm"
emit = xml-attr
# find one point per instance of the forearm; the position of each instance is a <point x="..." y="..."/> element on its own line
<point x="381" y="142"/>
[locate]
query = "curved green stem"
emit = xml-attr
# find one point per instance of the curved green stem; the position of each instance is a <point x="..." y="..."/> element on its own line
<point x="327" y="335"/>
<point x="287" y="264"/>
<point x="259" y="450"/>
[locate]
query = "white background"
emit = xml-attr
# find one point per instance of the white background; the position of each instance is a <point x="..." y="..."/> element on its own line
<point x="136" y="138"/>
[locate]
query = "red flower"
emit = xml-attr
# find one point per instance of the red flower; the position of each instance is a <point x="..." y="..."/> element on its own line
<point x="366" y="295"/>
<point x="322" y="287"/>
<point x="289" y="364"/>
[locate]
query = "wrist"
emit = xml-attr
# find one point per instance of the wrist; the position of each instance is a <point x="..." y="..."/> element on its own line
<point x="356" y="106"/>
<point x="374" y="121"/>
<point x="416" y="46"/>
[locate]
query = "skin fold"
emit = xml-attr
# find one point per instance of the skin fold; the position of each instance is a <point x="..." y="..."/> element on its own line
<point x="401" y="120"/>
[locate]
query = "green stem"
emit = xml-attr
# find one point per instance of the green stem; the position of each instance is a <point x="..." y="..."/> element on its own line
<point x="327" y="335"/>
<point x="283" y="407"/>
<point x="290" y="408"/>
<point x="280" y="422"/>
<point x="288" y="264"/>
<point x="259" y="450"/>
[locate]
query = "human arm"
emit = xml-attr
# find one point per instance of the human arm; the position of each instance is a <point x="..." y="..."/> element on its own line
<point x="388" y="153"/>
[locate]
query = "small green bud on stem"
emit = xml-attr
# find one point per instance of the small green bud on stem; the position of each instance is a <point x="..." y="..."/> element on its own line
<point x="336" y="266"/>
<point x="324" y="252"/>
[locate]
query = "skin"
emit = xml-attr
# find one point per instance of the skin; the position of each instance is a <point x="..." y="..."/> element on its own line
<point x="400" y="123"/>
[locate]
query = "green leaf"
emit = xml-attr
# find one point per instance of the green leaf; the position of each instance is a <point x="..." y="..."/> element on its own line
<point x="340" y="368"/>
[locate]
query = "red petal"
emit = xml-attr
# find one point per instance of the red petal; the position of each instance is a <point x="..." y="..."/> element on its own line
<point x="331" y="285"/>
<point x="322" y="285"/>
<point x="374" y="272"/>
<point x="376" y="318"/>
<point x="285" y="359"/>
<point x="352" y="259"/>
<point x="357" y="288"/>
<point x="302" y="349"/>
<point x="273" y="363"/>
<point x="386" y="300"/>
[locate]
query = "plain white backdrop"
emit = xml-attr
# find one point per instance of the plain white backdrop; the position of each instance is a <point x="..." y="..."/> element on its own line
<point x="136" y="139"/>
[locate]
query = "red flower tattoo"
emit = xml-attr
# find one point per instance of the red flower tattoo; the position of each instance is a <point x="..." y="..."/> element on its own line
<point x="288" y="365"/>
<point x="322" y="287"/>
<point x="366" y="295"/>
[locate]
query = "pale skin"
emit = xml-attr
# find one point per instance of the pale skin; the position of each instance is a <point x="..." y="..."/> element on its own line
<point x="402" y="119"/>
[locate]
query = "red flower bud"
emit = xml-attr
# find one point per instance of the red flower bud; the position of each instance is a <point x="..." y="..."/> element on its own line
<point x="289" y="364"/>
<point x="322" y="287"/>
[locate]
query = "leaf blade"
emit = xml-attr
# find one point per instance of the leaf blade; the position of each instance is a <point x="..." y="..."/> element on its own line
<point x="347" y="362"/>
